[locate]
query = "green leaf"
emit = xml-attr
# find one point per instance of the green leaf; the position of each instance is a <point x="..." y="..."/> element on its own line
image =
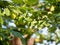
<point x="52" y="29"/>
<point x="23" y="9"/>
<point x="4" y="3"/>
<point x="51" y="1"/>
<point x="15" y="10"/>
<point x="31" y="2"/>
<point x="17" y="34"/>
<point x="7" y="11"/>
<point x="18" y="1"/>
<point x="28" y="19"/>
<point x="1" y="20"/>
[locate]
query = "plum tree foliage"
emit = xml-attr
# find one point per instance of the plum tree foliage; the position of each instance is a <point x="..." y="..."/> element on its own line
<point x="29" y="16"/>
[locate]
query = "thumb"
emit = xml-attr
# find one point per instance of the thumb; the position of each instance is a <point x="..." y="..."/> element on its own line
<point x="16" y="41"/>
<point x="31" y="40"/>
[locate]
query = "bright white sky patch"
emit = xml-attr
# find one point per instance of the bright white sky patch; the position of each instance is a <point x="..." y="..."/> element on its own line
<point x="45" y="31"/>
<point x="39" y="44"/>
<point x="45" y="42"/>
<point x="8" y="0"/>
<point x="29" y="14"/>
<point x="11" y="24"/>
<point x="4" y="26"/>
<point x="41" y="0"/>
